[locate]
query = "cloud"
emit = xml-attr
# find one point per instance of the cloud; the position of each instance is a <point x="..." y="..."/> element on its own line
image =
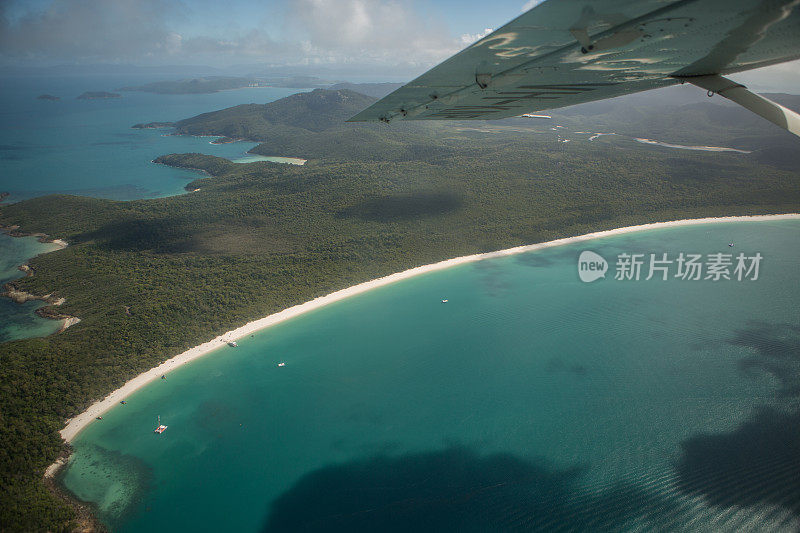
<point x="367" y="32"/>
<point x="253" y="45"/>
<point x="90" y="29"/>
<point x="370" y="31"/>
<point x="139" y="31"/>
<point x="389" y="36"/>
<point x="469" y="38"/>
<point x="530" y="4"/>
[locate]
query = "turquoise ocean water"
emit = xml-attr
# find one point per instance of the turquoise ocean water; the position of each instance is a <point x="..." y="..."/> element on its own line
<point x="87" y="147"/>
<point x="530" y="400"/>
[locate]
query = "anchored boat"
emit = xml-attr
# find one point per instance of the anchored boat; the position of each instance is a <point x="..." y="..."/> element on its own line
<point x="161" y="427"/>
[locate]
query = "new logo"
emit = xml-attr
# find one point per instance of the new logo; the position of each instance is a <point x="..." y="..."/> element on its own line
<point x="591" y="266"/>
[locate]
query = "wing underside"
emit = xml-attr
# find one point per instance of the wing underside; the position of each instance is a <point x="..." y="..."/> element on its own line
<point x="566" y="52"/>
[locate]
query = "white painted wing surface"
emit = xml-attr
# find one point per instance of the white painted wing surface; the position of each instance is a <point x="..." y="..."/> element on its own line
<point x="566" y="52"/>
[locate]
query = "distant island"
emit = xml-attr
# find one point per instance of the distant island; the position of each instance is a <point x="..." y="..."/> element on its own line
<point x="153" y="125"/>
<point x="223" y="140"/>
<point x="213" y="84"/>
<point x="48" y="97"/>
<point x="97" y="95"/>
<point x="376" y="90"/>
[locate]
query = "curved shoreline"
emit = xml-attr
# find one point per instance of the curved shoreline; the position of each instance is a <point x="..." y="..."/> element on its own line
<point x="79" y="422"/>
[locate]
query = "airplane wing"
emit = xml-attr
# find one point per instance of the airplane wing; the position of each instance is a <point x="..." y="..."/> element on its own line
<point x="566" y="52"/>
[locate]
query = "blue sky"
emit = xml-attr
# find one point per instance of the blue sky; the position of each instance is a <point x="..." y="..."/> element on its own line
<point x="387" y="38"/>
<point x="209" y="17"/>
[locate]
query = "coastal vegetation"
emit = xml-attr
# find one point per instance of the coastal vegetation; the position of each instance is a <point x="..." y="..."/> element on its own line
<point x="151" y="278"/>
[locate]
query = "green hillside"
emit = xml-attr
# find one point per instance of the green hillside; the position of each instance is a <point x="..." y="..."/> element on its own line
<point x="317" y="110"/>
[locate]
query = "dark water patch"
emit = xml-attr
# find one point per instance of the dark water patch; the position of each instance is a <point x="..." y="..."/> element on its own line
<point x="403" y="207"/>
<point x="536" y="260"/>
<point x="556" y="364"/>
<point x="554" y="256"/>
<point x="456" y="490"/>
<point x="777" y="352"/>
<point x="215" y="416"/>
<point x="757" y="463"/>
<point x="770" y="340"/>
<point x="494" y="279"/>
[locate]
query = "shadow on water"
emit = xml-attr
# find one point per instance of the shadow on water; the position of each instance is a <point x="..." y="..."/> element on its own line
<point x="456" y="490"/>
<point x="776" y="349"/>
<point x="565" y="256"/>
<point x="757" y="463"/>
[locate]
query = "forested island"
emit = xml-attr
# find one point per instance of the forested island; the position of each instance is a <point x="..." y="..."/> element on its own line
<point x="151" y="278"/>
<point x="98" y="95"/>
<point x="153" y="125"/>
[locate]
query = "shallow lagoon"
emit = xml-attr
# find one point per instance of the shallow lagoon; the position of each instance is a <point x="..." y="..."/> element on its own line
<point x="18" y="321"/>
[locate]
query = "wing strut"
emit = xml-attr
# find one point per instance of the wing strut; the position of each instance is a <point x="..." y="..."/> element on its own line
<point x="775" y="113"/>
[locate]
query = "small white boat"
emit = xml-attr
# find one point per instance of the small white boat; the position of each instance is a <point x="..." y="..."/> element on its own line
<point x="445" y="301"/>
<point x="161" y="427"/>
<point x="232" y="344"/>
<point x="281" y="364"/>
<point x="730" y="244"/>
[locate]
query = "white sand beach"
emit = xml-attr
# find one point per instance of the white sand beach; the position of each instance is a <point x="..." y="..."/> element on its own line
<point x="75" y="425"/>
